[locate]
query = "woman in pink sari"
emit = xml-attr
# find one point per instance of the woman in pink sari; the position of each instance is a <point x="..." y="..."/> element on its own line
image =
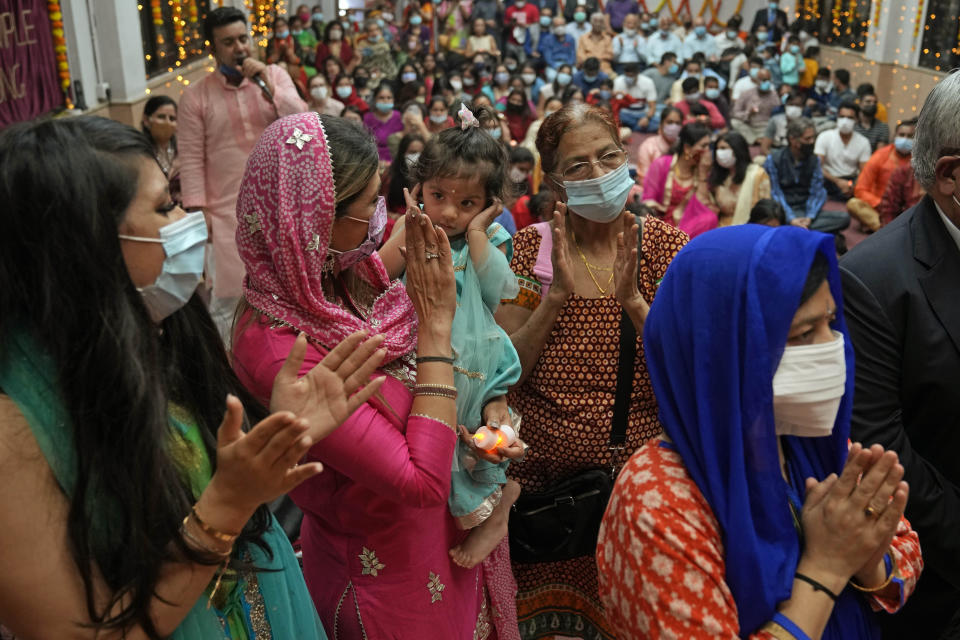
<point x="675" y="185"/>
<point x="376" y="528"/>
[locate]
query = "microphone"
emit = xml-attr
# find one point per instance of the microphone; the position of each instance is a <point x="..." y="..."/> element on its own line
<point x="257" y="80"/>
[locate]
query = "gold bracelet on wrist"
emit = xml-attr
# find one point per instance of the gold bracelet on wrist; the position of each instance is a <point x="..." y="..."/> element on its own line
<point x="199" y="545"/>
<point x="214" y="533"/>
<point x="437" y="394"/>
<point x="893" y="571"/>
<point x="435" y="419"/>
<point x="433" y="387"/>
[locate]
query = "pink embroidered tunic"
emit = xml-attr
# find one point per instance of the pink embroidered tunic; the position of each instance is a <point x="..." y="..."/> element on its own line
<point x="219" y="125"/>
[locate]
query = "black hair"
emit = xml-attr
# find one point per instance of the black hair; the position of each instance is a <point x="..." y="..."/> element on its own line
<point x="668" y="111"/>
<point x="220" y="17"/>
<point x="407" y="92"/>
<point x="689" y="84"/>
<point x="690" y="134"/>
<point x="117" y="373"/>
<point x="150" y="108"/>
<point x="823" y="72"/>
<point x="697" y="109"/>
<point x="735" y="20"/>
<point x="524" y="104"/>
<point x="843" y="76"/>
<point x="767" y="209"/>
<point x="542" y="204"/>
<point x="912" y="122"/>
<point x="352" y="169"/>
<point x="741" y="151"/>
<point x="850" y="105"/>
<point x="819" y="270"/>
<point x="668" y="56"/>
<point x="400" y="173"/>
<point x="756" y="60"/>
<point x="569" y="92"/>
<point x="352" y="109"/>
<point x="631" y="67"/>
<point x="520" y="154"/>
<point x="459" y="152"/>
<point x="865" y="89"/>
<point x="811" y="52"/>
<point x="591" y="64"/>
<point x="438" y="98"/>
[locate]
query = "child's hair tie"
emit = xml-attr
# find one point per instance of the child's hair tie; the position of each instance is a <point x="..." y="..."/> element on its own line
<point x="467" y="119"/>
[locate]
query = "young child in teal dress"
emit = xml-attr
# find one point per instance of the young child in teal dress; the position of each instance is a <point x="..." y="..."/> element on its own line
<point x="461" y="175"/>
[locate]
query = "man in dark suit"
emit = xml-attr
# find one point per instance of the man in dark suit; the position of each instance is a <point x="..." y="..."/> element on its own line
<point x="902" y="304"/>
<point x="775" y="21"/>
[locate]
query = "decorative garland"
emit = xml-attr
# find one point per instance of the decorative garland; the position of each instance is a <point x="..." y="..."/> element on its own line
<point x="60" y="48"/>
<point x="918" y="19"/>
<point x="192" y="12"/>
<point x="156" y="12"/>
<point x="177" y="12"/>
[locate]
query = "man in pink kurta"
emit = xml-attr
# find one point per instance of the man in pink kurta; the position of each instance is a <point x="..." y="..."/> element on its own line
<point x="221" y="119"/>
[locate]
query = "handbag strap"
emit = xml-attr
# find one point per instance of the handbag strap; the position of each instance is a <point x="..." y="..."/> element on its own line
<point x="625" y="366"/>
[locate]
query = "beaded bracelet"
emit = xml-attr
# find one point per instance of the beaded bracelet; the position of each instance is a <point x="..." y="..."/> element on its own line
<point x="435" y="419"/>
<point x="216" y="534"/>
<point x="433" y="387"/>
<point x="437" y="394"/>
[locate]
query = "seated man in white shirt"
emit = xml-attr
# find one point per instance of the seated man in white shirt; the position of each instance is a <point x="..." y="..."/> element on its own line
<point x="640" y="114"/>
<point x="843" y="152"/>
<point x="629" y="46"/>
<point x="748" y="81"/>
<point x="663" y="41"/>
<point x="700" y="41"/>
<point x="731" y="36"/>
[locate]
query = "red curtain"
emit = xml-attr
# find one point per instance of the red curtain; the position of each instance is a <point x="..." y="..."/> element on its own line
<point x="29" y="83"/>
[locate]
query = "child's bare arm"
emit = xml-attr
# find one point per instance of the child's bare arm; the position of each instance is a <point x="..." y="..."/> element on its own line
<point x="477" y="233"/>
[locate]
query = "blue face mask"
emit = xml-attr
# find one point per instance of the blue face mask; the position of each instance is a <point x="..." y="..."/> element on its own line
<point x="384" y="106"/>
<point x="589" y="78"/>
<point x="496" y="133"/>
<point x="563" y="78"/>
<point x="765" y="86"/>
<point x="317" y="17"/>
<point x="409" y="76"/>
<point x="604" y="95"/>
<point x="753" y="72"/>
<point x="415" y="20"/>
<point x="795" y="49"/>
<point x="283" y="35"/>
<point x="600" y="199"/>
<point x="712" y="94"/>
<point x="545" y="21"/>
<point x="700" y="31"/>
<point x="375" y="229"/>
<point x="184" y="242"/>
<point x="732" y="35"/>
<point x="903" y="145"/>
<point x="773" y="6"/>
<point x="674" y="68"/>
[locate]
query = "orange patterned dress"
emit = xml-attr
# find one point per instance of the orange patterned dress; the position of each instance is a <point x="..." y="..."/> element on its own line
<point x="661" y="557"/>
<point x="569" y="395"/>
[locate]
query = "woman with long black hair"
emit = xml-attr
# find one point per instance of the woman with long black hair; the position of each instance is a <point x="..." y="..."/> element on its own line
<point x="132" y="504"/>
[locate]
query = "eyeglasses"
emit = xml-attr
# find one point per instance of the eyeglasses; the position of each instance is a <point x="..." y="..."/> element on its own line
<point x="584" y="170"/>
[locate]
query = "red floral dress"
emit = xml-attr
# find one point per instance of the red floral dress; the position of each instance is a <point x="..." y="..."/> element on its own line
<point x="661" y="558"/>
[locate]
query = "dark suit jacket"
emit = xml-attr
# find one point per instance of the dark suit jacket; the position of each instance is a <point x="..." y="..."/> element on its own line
<point x="779" y="24"/>
<point x="901" y="290"/>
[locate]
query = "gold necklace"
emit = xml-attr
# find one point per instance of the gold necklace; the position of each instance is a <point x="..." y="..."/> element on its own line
<point x="591" y="267"/>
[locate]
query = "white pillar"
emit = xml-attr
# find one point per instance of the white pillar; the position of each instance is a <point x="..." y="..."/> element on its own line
<point x="117" y="23"/>
<point x="892" y="31"/>
<point x="81" y="52"/>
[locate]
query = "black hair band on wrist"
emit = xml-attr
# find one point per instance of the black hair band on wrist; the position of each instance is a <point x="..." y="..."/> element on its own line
<point x="816" y="585"/>
<point x="444" y="359"/>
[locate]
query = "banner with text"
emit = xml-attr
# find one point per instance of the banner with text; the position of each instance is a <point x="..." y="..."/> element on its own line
<point x="29" y="84"/>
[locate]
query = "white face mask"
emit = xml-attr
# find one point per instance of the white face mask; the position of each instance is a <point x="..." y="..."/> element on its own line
<point x="184" y="243"/>
<point x="807" y="388"/>
<point x="319" y="93"/>
<point x="411" y="159"/>
<point x="725" y="158"/>
<point x="845" y="125"/>
<point x="516" y="175"/>
<point x="793" y="111"/>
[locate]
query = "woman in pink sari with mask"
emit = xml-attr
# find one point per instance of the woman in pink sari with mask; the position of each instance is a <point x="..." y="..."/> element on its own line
<point x="376" y="528"/>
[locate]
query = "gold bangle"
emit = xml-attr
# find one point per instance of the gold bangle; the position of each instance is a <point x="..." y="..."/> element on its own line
<point x="435" y="419"/>
<point x="436" y="394"/>
<point x="893" y="571"/>
<point x="200" y="546"/>
<point x="214" y="533"/>
<point x="433" y="387"/>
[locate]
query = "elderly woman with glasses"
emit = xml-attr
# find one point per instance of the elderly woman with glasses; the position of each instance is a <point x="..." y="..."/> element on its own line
<point x="582" y="285"/>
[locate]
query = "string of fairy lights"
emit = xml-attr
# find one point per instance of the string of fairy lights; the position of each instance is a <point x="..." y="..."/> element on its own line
<point x="187" y="43"/>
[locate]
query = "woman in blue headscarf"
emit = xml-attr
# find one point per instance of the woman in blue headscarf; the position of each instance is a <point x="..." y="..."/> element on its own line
<point x="750" y="518"/>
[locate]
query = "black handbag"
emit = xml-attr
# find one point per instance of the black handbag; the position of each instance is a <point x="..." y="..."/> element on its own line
<point x="564" y="522"/>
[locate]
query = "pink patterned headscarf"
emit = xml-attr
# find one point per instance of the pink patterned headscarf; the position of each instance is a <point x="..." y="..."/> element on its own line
<point x="285" y="214"/>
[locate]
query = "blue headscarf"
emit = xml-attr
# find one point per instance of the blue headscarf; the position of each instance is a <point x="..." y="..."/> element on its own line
<point x="713" y="339"/>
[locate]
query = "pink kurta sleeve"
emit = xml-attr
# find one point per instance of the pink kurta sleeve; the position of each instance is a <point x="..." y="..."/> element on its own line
<point x="656" y="179"/>
<point x="285" y="93"/>
<point x="410" y="465"/>
<point x="191" y="140"/>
